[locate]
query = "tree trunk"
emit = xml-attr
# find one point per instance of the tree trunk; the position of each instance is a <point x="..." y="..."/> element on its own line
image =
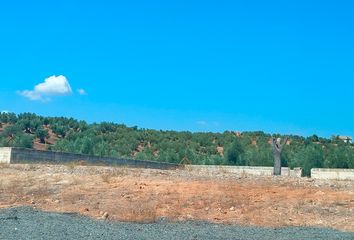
<point x="277" y="149"/>
<point x="42" y="140"/>
<point x="277" y="163"/>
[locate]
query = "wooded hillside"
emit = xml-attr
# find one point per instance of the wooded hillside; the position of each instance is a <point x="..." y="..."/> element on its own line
<point x="111" y="139"/>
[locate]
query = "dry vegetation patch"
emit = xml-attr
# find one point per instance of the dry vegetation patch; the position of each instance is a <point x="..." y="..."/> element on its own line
<point x="146" y="195"/>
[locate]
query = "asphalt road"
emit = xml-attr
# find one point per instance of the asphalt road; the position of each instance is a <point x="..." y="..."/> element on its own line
<point x="28" y="223"/>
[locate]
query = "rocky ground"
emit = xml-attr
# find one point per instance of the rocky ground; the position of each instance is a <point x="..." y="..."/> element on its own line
<point x="27" y="223"/>
<point x="150" y="196"/>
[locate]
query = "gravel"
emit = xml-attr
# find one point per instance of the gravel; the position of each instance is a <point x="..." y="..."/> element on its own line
<point x="28" y="223"/>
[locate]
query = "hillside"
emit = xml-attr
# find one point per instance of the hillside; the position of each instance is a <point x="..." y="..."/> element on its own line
<point x="111" y="139"/>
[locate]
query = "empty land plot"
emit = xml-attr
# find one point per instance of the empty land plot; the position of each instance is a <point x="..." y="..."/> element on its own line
<point x="147" y="196"/>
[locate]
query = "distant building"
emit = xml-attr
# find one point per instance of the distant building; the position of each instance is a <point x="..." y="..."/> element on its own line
<point x="346" y="139"/>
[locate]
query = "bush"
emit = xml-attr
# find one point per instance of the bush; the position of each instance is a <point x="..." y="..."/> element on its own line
<point x="309" y="156"/>
<point x="234" y="153"/>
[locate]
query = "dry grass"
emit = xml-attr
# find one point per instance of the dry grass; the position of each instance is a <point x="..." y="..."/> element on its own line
<point x="15" y="189"/>
<point x="76" y="181"/>
<point x="106" y="177"/>
<point x="109" y="175"/>
<point x="145" y="195"/>
<point x="40" y="189"/>
<point x="71" y="165"/>
<point x="142" y="212"/>
<point x="74" y="197"/>
<point x="57" y="178"/>
<point x="4" y="165"/>
<point x="30" y="167"/>
<point x="243" y="174"/>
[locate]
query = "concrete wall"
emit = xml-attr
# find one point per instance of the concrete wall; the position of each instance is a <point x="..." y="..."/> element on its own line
<point x="243" y="170"/>
<point x="5" y="155"/>
<point x="296" y="172"/>
<point x="332" y="173"/>
<point x="23" y="155"/>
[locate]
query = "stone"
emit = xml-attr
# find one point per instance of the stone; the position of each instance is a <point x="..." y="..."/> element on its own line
<point x="163" y="219"/>
<point x="105" y="215"/>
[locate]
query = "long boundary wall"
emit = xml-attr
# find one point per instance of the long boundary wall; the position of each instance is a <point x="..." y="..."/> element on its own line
<point x="24" y="155"/>
<point x="243" y="170"/>
<point x="332" y="173"/>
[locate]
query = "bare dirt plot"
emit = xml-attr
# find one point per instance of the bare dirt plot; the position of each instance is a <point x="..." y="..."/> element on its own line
<point x="145" y="195"/>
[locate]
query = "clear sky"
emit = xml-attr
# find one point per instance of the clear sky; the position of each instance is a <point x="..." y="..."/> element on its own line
<point x="277" y="66"/>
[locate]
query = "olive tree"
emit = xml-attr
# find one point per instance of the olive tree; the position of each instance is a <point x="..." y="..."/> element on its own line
<point x="277" y="146"/>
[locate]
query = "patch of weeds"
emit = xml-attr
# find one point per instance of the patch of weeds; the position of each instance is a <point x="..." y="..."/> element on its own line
<point x="71" y="165"/>
<point x="57" y="178"/>
<point x="106" y="177"/>
<point x="30" y="167"/>
<point x="40" y="189"/>
<point x="4" y="165"/>
<point x="143" y="212"/>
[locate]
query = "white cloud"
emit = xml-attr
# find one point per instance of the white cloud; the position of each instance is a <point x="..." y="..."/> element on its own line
<point x="82" y="91"/>
<point x="4" y="111"/>
<point x="32" y="95"/>
<point x="52" y="86"/>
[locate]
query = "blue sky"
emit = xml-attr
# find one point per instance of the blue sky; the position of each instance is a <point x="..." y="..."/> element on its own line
<point x="276" y="66"/>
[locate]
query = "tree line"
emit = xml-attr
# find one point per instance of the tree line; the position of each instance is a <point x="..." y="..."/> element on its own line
<point x="118" y="140"/>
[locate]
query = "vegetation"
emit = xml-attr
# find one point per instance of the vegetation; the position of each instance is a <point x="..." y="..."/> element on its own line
<point x="118" y="140"/>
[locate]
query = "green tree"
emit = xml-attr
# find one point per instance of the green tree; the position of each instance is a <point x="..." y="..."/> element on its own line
<point x="309" y="156"/>
<point x="10" y="133"/>
<point x="42" y="134"/>
<point x="234" y="154"/>
<point x="339" y="156"/>
<point x="23" y="140"/>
